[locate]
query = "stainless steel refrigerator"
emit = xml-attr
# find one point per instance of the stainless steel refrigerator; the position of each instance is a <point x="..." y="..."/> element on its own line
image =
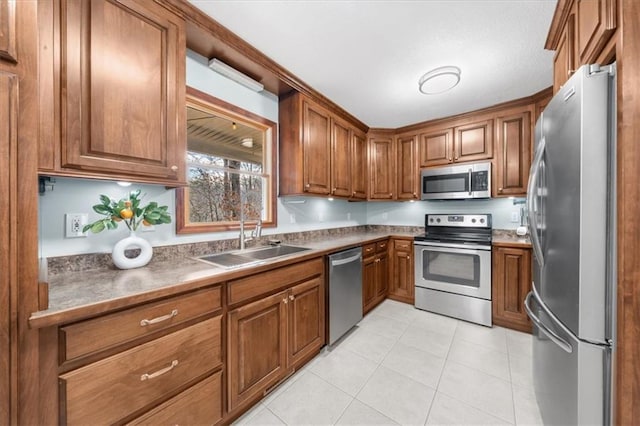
<point x="571" y="211"/>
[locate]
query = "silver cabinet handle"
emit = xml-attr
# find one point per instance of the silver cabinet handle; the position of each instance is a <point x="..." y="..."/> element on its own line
<point x="174" y="168"/>
<point x="146" y="322"/>
<point x="291" y="297"/>
<point x="470" y="188"/>
<point x="149" y="376"/>
<point x="553" y="336"/>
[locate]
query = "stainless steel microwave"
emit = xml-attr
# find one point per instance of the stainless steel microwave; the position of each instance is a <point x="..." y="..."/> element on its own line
<point x="459" y="182"/>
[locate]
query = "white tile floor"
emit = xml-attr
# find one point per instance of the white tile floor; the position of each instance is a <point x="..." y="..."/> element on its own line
<point x="409" y="367"/>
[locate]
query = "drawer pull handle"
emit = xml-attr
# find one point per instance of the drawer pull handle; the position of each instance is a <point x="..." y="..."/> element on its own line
<point x="292" y="297"/>
<point x="147" y="376"/>
<point x="145" y="322"/>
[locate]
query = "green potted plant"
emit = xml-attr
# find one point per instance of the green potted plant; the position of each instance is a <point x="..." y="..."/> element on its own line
<point x="129" y="211"/>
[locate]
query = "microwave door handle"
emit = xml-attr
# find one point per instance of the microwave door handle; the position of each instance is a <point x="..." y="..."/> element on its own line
<point x="470" y="190"/>
<point x="531" y="194"/>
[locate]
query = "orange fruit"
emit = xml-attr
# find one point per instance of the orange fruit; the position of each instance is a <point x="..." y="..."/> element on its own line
<point x="126" y="213"/>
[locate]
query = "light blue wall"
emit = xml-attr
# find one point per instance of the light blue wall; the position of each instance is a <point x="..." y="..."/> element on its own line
<point x="412" y="214"/>
<point x="294" y="214"/>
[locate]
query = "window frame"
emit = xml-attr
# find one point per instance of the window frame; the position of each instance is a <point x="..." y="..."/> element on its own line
<point x="207" y="102"/>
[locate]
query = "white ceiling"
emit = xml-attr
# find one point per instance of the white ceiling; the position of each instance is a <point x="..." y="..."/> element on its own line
<point x="367" y="56"/>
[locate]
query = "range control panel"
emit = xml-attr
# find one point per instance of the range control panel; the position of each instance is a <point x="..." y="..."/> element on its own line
<point x="460" y="220"/>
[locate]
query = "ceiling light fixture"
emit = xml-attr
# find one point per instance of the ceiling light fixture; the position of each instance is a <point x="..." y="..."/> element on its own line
<point x="247" y="142"/>
<point x="439" y="80"/>
<point x="235" y="75"/>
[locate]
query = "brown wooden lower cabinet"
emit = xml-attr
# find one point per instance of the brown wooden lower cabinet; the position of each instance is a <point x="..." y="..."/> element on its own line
<point x="112" y="389"/>
<point x="511" y="282"/>
<point x="201" y="404"/>
<point x="270" y="337"/>
<point x="401" y="274"/>
<point x="375" y="275"/>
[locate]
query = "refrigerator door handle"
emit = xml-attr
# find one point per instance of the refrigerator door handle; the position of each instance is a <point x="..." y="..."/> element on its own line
<point x="531" y="194"/>
<point x="550" y="334"/>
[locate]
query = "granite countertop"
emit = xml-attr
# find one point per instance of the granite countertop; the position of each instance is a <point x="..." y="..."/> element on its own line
<point x="509" y="238"/>
<point x="76" y="295"/>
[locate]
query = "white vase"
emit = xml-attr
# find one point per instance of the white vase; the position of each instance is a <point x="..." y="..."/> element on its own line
<point x="132" y="241"/>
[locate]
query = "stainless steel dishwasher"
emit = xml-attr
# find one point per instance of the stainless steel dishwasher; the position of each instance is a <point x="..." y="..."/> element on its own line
<point x="345" y="292"/>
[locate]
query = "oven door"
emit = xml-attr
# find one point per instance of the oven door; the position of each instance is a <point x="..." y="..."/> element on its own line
<point x="455" y="270"/>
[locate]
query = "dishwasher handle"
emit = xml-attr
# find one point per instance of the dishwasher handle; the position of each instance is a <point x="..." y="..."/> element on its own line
<point x="339" y="262"/>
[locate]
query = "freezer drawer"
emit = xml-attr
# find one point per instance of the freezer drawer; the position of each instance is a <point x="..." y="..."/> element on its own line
<point x="571" y="377"/>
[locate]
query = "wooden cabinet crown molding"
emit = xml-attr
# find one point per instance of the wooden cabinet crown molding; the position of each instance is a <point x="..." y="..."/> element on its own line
<point x="560" y="17"/>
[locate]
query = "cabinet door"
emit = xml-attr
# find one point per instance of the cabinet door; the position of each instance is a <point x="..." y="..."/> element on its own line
<point x="402" y="273"/>
<point x="511" y="283"/>
<point x="382" y="277"/>
<point x="369" y="278"/>
<point x="381" y="168"/>
<point x="306" y="320"/>
<point x="8" y="30"/>
<point x="596" y="24"/>
<point x="407" y="176"/>
<point x="564" y="63"/>
<point x="436" y="148"/>
<point x="473" y="141"/>
<point x="8" y="144"/>
<point x="513" y="156"/>
<point x="257" y="345"/>
<point x="317" y="149"/>
<point x="359" y="177"/>
<point x="340" y="159"/>
<point x="123" y="87"/>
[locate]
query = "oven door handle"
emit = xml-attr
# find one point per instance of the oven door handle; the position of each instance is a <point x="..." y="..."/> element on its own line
<point x="454" y="248"/>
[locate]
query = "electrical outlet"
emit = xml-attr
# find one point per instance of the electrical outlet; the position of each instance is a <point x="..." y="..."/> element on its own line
<point x="74" y="224"/>
<point x="515" y="217"/>
<point x="385" y="216"/>
<point x="292" y="218"/>
<point x="348" y="215"/>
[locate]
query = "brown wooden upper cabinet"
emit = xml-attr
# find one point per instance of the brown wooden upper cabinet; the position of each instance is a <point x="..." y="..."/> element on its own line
<point x="382" y="160"/>
<point x="564" y="63"/>
<point x="359" y="167"/>
<point x="466" y="142"/>
<point x="581" y="38"/>
<point x="407" y="176"/>
<point x="596" y="23"/>
<point x="122" y="90"/>
<point x="8" y="31"/>
<point x="320" y="154"/>
<point x="513" y="157"/>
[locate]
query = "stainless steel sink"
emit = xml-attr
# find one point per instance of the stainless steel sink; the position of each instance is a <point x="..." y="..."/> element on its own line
<point x="239" y="258"/>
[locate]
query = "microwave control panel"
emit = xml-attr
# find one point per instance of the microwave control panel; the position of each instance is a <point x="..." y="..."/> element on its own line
<point x="480" y="181"/>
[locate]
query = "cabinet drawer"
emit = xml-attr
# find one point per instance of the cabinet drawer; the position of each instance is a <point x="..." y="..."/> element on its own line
<point x="404" y="245"/>
<point x="199" y="405"/>
<point x="368" y="249"/>
<point x="381" y="246"/>
<point x="110" y="330"/>
<point x="115" y="387"/>
<point x="266" y="282"/>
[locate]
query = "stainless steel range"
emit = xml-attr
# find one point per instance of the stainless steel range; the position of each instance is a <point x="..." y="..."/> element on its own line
<point x="453" y="266"/>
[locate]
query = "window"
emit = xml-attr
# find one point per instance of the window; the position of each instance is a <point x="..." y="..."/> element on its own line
<point x="230" y="167"/>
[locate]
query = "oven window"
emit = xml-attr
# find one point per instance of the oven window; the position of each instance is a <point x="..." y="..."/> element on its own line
<point x="451" y="268"/>
<point x="445" y="183"/>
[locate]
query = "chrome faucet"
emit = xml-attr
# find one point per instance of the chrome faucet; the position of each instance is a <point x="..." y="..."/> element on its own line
<point x="255" y="234"/>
